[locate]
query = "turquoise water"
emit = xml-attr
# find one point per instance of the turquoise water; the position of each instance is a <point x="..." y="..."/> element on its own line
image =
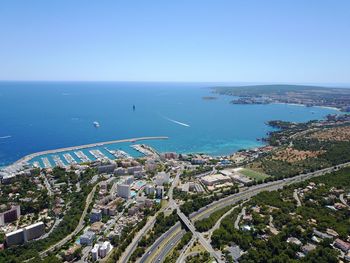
<point x="37" y="116"/>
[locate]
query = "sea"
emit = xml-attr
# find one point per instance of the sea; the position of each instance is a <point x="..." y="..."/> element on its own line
<point x="38" y="116"/>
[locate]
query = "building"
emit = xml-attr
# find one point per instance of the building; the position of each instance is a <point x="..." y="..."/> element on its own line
<point x="133" y="169"/>
<point x="139" y="174"/>
<point x="101" y="250"/>
<point x="15" y="237"/>
<point x="94" y="252"/>
<point x="214" y="179"/>
<point x="344" y="246"/>
<point x="123" y="190"/>
<point x="109" y="168"/>
<point x="10" y="215"/>
<point x="159" y="191"/>
<point x="69" y="253"/>
<point x="26" y="234"/>
<point x="34" y="231"/>
<point x="149" y="189"/>
<point x="322" y="235"/>
<point x="105" y="248"/>
<point x="96" y="215"/>
<point x="198" y="161"/>
<point x="170" y="155"/>
<point x="151" y="166"/>
<point x="87" y="238"/>
<point x="120" y="171"/>
<point x="162" y="178"/>
<point x="8" y="178"/>
<point x="133" y="210"/>
<point x="308" y="248"/>
<point x="129" y="180"/>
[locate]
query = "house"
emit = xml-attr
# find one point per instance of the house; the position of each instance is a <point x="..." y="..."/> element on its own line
<point x="343" y="245"/>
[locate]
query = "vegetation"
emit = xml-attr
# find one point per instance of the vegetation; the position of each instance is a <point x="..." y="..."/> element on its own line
<point x="162" y="224"/>
<point x="176" y="252"/>
<point x="290" y="221"/>
<point x="207" y="223"/>
<point x="67" y="225"/>
<point x="253" y="174"/>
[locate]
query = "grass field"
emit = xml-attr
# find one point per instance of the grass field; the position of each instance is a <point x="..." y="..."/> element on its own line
<point x="253" y="174"/>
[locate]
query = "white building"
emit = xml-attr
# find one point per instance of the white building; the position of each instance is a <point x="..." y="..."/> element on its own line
<point x="123" y="190"/>
<point x="34" y="231"/>
<point x="162" y="178"/>
<point x="149" y="189"/>
<point x="94" y="252"/>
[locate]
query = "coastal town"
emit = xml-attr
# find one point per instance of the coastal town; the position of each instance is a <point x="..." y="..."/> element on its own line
<point x="170" y="207"/>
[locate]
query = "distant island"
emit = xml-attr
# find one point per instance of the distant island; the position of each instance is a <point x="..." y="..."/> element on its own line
<point x="292" y="94"/>
<point x="209" y="98"/>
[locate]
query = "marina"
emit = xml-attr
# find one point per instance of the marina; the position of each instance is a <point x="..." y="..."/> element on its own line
<point x="82" y="156"/>
<point x="145" y="150"/>
<point x="118" y="153"/>
<point x="58" y="161"/>
<point x="69" y="158"/>
<point x="98" y="155"/>
<point x="46" y="162"/>
<point x="38" y="157"/>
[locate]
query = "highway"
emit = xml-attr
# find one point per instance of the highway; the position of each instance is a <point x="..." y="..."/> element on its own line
<point x="199" y="236"/>
<point x="229" y="200"/>
<point x="150" y="223"/>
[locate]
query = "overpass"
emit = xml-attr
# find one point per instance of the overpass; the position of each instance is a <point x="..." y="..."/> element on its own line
<point x="199" y="236"/>
<point x="204" y="212"/>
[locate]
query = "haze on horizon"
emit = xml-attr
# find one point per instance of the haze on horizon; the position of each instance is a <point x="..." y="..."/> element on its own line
<point x="293" y="41"/>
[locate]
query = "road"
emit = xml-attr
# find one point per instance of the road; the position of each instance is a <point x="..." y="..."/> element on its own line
<point x="199" y="236"/>
<point x="150" y="223"/>
<point x="341" y="197"/>
<point x="76" y="230"/>
<point x="233" y="199"/>
<point x="296" y="197"/>
<point x="217" y="224"/>
<point x="183" y="253"/>
<point x="242" y="213"/>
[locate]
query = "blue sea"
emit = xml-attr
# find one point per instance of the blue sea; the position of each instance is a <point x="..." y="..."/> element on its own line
<point x="37" y="116"/>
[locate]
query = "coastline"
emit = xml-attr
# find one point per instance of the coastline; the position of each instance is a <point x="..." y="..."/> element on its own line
<point x="25" y="159"/>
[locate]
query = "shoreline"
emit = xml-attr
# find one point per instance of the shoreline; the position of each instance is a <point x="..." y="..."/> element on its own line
<point x="25" y="159"/>
<point x="303" y="105"/>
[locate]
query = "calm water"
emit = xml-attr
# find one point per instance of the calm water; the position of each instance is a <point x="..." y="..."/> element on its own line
<point x="41" y="116"/>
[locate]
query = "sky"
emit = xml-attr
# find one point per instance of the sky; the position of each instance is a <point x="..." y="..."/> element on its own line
<point x="289" y="41"/>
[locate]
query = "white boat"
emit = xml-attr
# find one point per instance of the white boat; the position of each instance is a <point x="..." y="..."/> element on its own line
<point x="96" y="124"/>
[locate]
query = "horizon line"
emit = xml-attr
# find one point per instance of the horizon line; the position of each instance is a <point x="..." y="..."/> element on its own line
<point x="193" y="82"/>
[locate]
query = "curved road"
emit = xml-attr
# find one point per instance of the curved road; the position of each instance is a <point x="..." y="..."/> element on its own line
<point x="230" y="200"/>
<point x="79" y="227"/>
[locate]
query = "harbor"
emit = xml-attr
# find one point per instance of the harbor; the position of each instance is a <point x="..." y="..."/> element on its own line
<point x="51" y="158"/>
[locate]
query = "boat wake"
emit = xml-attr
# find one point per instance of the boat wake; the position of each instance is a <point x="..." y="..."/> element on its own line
<point x="177" y="122"/>
<point x="5" y="137"/>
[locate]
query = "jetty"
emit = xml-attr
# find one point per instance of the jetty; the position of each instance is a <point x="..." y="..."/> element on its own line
<point x="119" y="154"/>
<point x="82" y="156"/>
<point x="145" y="150"/>
<point x="24" y="161"/>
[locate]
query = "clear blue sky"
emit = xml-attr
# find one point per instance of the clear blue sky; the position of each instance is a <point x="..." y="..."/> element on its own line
<point x="180" y="40"/>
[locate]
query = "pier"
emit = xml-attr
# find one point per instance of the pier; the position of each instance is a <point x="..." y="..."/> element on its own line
<point x="69" y="158"/>
<point x="119" y="154"/>
<point x="82" y="156"/>
<point x="46" y="162"/>
<point x="145" y="150"/>
<point x="24" y="161"/>
<point x="58" y="161"/>
<point x="98" y="155"/>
